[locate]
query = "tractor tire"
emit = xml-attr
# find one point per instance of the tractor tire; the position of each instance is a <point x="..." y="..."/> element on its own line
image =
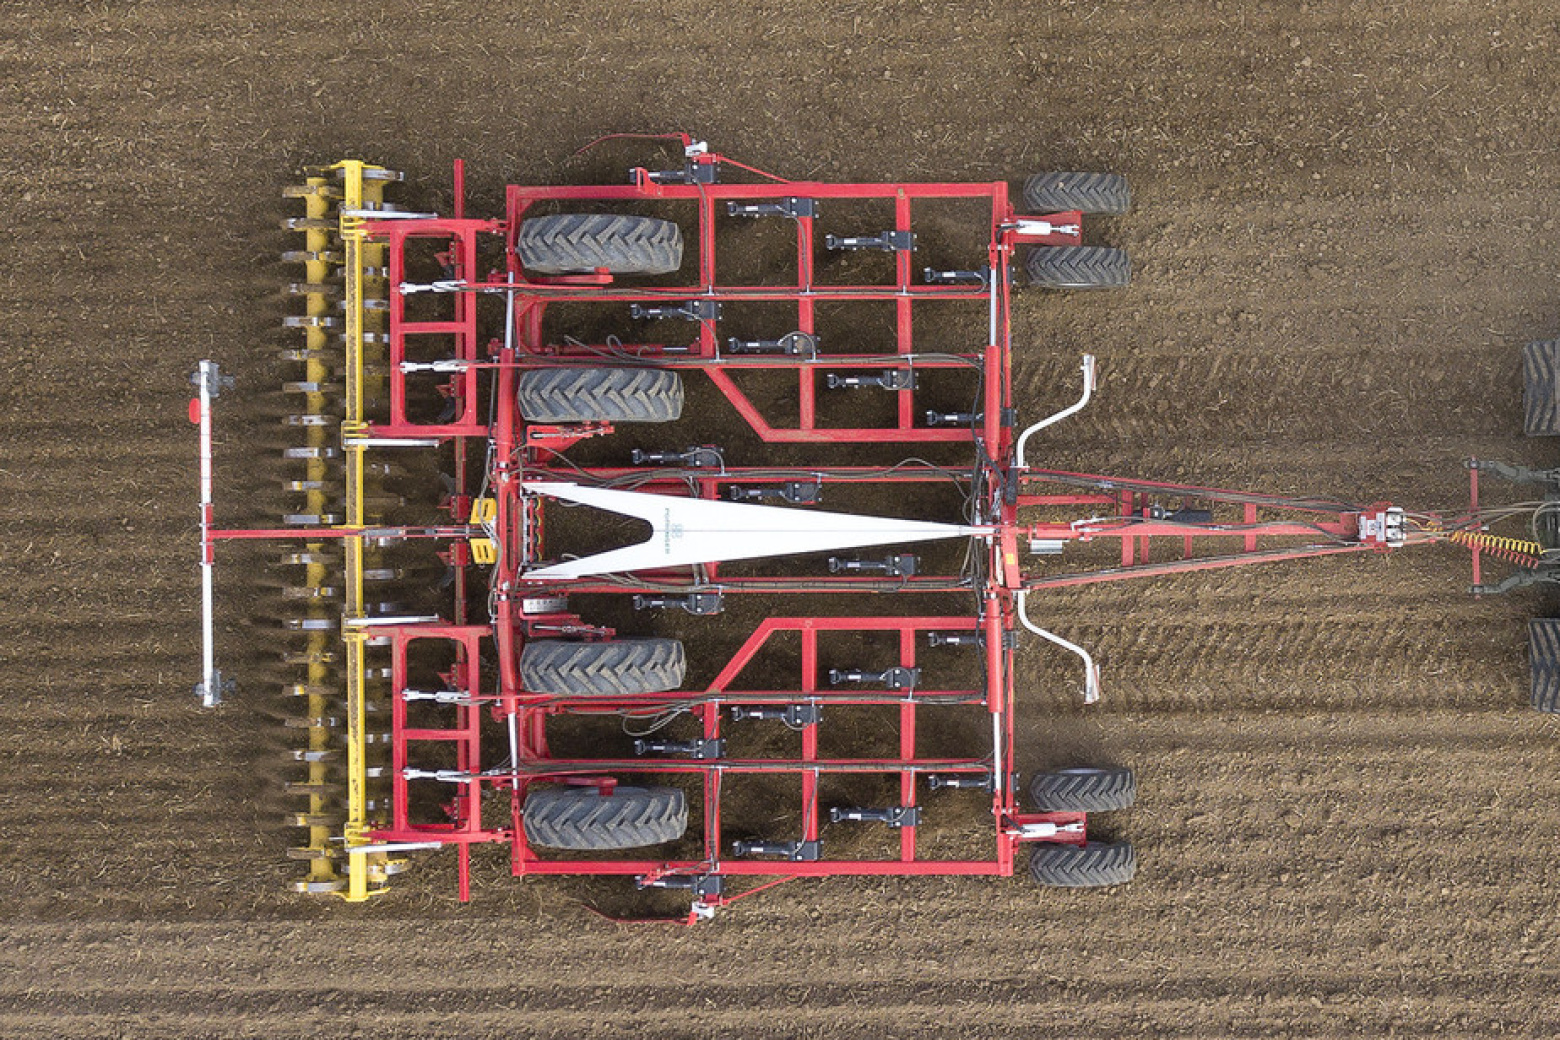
<point x="1541" y="388"/>
<point x="622" y="668"/>
<point x="1105" y="194"/>
<point x="1544" y="664"/>
<point x="1093" y="864"/>
<point x="1079" y="267"/>
<point x="569" y="395"/>
<point x="1083" y="790"/>
<point x="583" y="819"/>
<point x="572" y="243"/>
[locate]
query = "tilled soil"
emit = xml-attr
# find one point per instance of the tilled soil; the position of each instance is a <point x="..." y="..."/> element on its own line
<point x="1344" y="231"/>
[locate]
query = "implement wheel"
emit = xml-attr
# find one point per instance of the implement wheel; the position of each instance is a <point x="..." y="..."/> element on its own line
<point x="1541" y="388"/>
<point x="1544" y="664"/>
<point x="1094" y="864"/>
<point x="569" y="395"/>
<point x="623" y="668"/>
<point x="1101" y="193"/>
<point x="1083" y="790"/>
<point x="1079" y="267"/>
<point x="570" y="243"/>
<point x="585" y="820"/>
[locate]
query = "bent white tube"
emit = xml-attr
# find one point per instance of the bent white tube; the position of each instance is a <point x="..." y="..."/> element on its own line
<point x="1091" y="671"/>
<point x="1088" y="392"/>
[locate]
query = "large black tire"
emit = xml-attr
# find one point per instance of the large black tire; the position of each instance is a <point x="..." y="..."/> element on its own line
<point x="584" y="820"/>
<point x="622" y="668"/>
<point x="1079" y="267"/>
<point x="575" y="242"/>
<point x="1544" y="664"/>
<point x="1083" y="790"/>
<point x="565" y="395"/>
<point x="1541" y="388"/>
<point x="1093" y="864"/>
<point x="1102" y="193"/>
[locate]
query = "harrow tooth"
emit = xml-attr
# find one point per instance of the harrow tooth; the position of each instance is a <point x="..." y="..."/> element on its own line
<point x="310" y="592"/>
<point x="383" y="574"/>
<point x="308" y="657"/>
<point x="371" y="338"/>
<point x="310" y="224"/>
<point x="313" y="887"/>
<point x="307" y="419"/>
<point x="311" y="819"/>
<point x="314" y="788"/>
<point x="311" y="519"/>
<point x="313" y="755"/>
<point x="305" y="256"/>
<point x="303" y="191"/>
<point x="303" y="485"/>
<point x="313" y="288"/>
<point x="318" y="722"/>
<point x="309" y="354"/>
<point x="369" y="303"/>
<point x="306" y="690"/>
<point x="321" y="624"/>
<point x="308" y="386"/>
<point x="312" y="453"/>
<point x="311" y="321"/>
<point x="313" y="852"/>
<point x="306" y="559"/>
<point x="389" y="868"/>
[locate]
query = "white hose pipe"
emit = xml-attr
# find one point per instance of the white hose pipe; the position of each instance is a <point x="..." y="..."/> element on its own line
<point x="1091" y="671"/>
<point x="1088" y="392"/>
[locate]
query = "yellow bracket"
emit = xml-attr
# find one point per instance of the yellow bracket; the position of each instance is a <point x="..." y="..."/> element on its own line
<point x="483" y="550"/>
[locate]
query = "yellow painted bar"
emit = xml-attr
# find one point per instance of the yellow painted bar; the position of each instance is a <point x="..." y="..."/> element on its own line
<point x="356" y="192"/>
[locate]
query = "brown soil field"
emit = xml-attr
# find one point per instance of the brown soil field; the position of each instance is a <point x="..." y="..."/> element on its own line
<point x="1345" y="228"/>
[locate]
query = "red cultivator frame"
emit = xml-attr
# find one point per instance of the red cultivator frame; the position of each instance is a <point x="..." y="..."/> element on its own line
<point x="478" y="344"/>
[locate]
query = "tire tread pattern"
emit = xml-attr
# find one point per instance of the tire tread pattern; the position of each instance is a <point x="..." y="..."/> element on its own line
<point x="582" y="819"/>
<point x="580" y="242"/>
<point x="1106" y="194"/>
<point x="1540" y="389"/>
<point x="1102" y="790"/>
<point x="621" y="668"/>
<point x="565" y="395"/>
<point x="1544" y="663"/>
<point x="1094" y="864"/>
<point x="1079" y="267"/>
